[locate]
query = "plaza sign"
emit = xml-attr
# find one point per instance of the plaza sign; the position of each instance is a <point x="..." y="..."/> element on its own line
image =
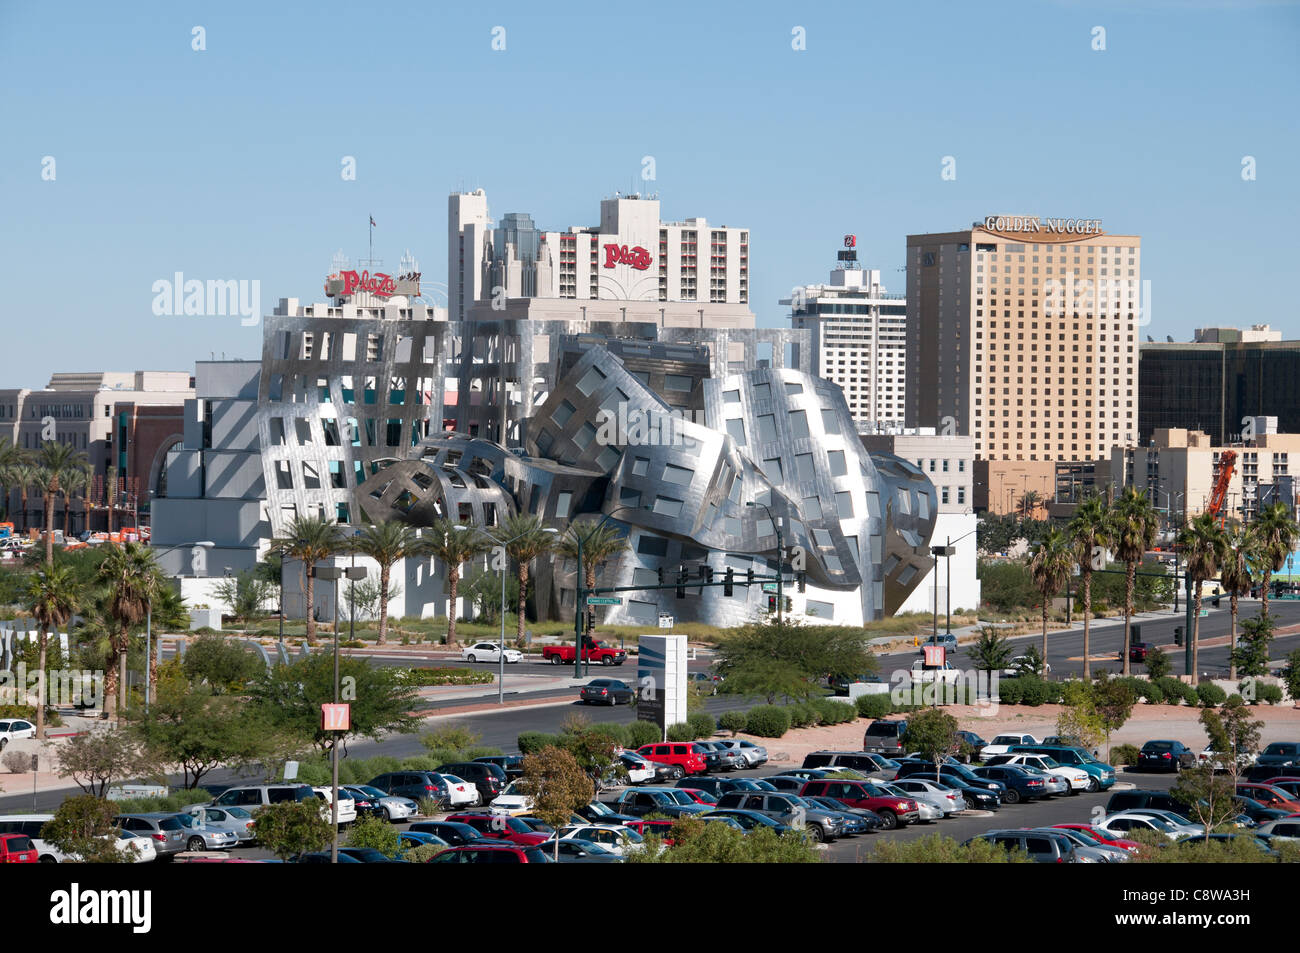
<point x="637" y="257"/>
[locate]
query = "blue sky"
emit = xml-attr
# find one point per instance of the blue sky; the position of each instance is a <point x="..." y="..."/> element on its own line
<point x="226" y="163"/>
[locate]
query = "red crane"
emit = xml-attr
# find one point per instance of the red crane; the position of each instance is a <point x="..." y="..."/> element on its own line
<point x="1227" y="461"/>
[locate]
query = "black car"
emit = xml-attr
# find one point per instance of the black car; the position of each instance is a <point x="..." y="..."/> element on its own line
<point x="859" y="761"/>
<point x="971" y="746"/>
<point x="870" y="819"/>
<point x="1140" y="800"/>
<point x="416" y="785"/>
<point x="606" y="691"/>
<point x="488" y="778"/>
<point x="1258" y="812"/>
<point x="1280" y="754"/>
<point x="1020" y="784"/>
<point x="1165" y="756"/>
<point x="884" y="736"/>
<point x="511" y="764"/>
<point x="453" y="832"/>
<point x="366" y="855"/>
<point x="949" y="772"/>
<point x="977" y="798"/>
<point x="716" y="786"/>
<point x="598" y="812"/>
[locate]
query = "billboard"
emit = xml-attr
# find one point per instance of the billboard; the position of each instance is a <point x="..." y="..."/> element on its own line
<point x="661" y="680"/>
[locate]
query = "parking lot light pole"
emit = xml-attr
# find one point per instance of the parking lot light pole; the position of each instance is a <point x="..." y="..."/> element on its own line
<point x="332" y="574"/>
<point x="947" y="561"/>
<point x="780" y="560"/>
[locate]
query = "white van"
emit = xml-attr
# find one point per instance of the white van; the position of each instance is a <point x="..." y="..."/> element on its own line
<point x="31" y="824"/>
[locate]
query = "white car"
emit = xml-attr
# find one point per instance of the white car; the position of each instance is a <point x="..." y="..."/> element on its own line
<point x="347" y="806"/>
<point x="1076" y="777"/>
<point x="138" y="849"/>
<point x="939" y="795"/>
<point x="1013" y="666"/>
<point x="1221" y="761"/>
<point x="490" y="652"/>
<point x="510" y="801"/>
<point x="639" y="769"/>
<point x="460" y="793"/>
<point x="922" y="675"/>
<point x="1001" y="743"/>
<point x="15" y="729"/>
<point x="1284" y="830"/>
<point x="1122" y="822"/>
<point x="612" y="837"/>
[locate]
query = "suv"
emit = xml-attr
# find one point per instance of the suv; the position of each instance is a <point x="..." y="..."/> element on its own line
<point x="490" y="779"/>
<point x="165" y="830"/>
<point x="252" y="796"/>
<point x="511" y="764"/>
<point x="894" y="811"/>
<point x="643" y="801"/>
<point x="16" y="849"/>
<point x="416" y="785"/>
<point x="822" y="825"/>
<point x="884" y="737"/>
<point x="855" y="760"/>
<point x="684" y="755"/>
<point x="1042" y="846"/>
<point x="1140" y="800"/>
<point x="1101" y="776"/>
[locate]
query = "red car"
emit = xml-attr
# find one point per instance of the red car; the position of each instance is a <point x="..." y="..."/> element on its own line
<point x="1270" y="796"/>
<point x="683" y="754"/>
<point x="502" y="827"/>
<point x="17" y="849"/>
<point x="1110" y="840"/>
<point x="894" y="811"/>
<point x="490" y="854"/>
<point x="660" y="828"/>
<point x="1287" y="784"/>
<point x="700" y="797"/>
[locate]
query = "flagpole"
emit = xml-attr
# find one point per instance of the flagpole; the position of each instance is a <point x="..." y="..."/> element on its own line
<point x="372" y="239"/>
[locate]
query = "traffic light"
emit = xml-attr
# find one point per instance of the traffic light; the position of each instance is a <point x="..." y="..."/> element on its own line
<point x="789" y="604"/>
<point x="729" y="583"/>
<point x="771" y="603"/>
<point x="749" y="577"/>
<point x="682" y="576"/>
<point x="802" y="580"/>
<point x="660" y="572"/>
<point x="706" y="573"/>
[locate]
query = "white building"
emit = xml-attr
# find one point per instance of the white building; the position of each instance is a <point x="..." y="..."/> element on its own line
<point x="948" y="461"/>
<point x="859" y="338"/>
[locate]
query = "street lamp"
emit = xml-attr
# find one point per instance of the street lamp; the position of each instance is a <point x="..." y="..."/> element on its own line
<point x="780" y="559"/>
<point x="148" y="616"/>
<point x="332" y="573"/>
<point x="947" y="560"/>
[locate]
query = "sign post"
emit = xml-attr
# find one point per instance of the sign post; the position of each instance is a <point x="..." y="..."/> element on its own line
<point x="661" y="681"/>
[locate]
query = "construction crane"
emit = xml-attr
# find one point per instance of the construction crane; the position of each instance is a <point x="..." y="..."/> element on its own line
<point x="1227" y="460"/>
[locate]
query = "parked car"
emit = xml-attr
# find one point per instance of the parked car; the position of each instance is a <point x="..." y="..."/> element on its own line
<point x="17" y="849"/>
<point x="409" y="840"/>
<point x="940" y="795"/>
<point x="235" y="820"/>
<point x="481" y="853"/>
<point x="859" y="761"/>
<point x="388" y="806"/>
<point x="684" y="755"/>
<point x="253" y="796"/>
<point x="606" y="691"/>
<point x="136" y="848"/>
<point x="501" y="827"/>
<point x="1222" y="761"/>
<point x="1137" y="652"/>
<point x="1165" y="756"/>
<point x="894" y="810"/>
<point x="347" y="806"/>
<point x="699" y="796"/>
<point x="716" y="786"/>
<point x="1284" y="830"/>
<point x="1088" y="848"/>
<point x="453" y="832"/>
<point x="1042" y="846"/>
<point x="1291" y="785"/>
<point x="616" y="840"/>
<point x="1269" y="796"/>
<point x="755" y="755"/>
<point x="789" y="809"/>
<point x="1001" y="744"/>
<point x="1257" y="813"/>
<point x="705" y="682"/>
<point x="598" y="812"/>
<point x="488" y="779"/>
<point x="658" y="800"/>
<point x="728" y="759"/>
<point x="416" y="785"/>
<point x="884" y="736"/>
<point x="639" y="769"/>
<point x="947" y="772"/>
<point x="1103" y="837"/>
<point x="15" y="729"/>
<point x="868" y="821"/>
<point x="1126" y="821"/>
<point x="660" y="827"/>
<point x="977" y="798"/>
<point x="749" y="820"/>
<point x="1020" y="784"/>
<point x="1141" y="800"/>
<point x="165" y="830"/>
<point x="511" y="764"/>
<point x="367" y="855"/>
<point x="973" y="746"/>
<point x="321" y="857"/>
<point x="490" y="652"/>
<point x="574" y="851"/>
<point x="1102" y="775"/>
<point x="1280" y="754"/>
<point x="1076" y="778"/>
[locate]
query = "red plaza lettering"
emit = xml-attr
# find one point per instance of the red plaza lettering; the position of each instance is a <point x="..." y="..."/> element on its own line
<point x="637" y="257"/>
<point x="379" y="284"/>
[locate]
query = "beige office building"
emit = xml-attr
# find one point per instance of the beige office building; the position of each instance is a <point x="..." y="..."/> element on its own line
<point x="1022" y="333"/>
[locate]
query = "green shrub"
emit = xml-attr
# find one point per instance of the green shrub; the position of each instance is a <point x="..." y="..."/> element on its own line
<point x="802" y="715"/>
<point x="832" y="712"/>
<point x="1210" y="695"/>
<point x="420" y="762"/>
<point x="429" y="806"/>
<point x="767" y="721"/>
<point x="703" y="725"/>
<point x="1123" y="754"/>
<point x="1152" y="694"/>
<point x="531" y="742"/>
<point x="421" y="854"/>
<point x="26" y="712"/>
<point x="1265" y="692"/>
<point x="732" y="721"/>
<point x="1034" y="691"/>
<point x="374" y="832"/>
<point x="1174" y="690"/>
<point x="873" y="706"/>
<point x="681" y="731"/>
<point x="445" y="675"/>
<point x="639" y="733"/>
<point x="1011" y="691"/>
<point x="611" y="731"/>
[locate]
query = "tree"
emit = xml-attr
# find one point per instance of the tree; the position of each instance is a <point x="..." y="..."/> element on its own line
<point x="933" y="732"/>
<point x="772" y="658"/>
<point x="96" y="759"/>
<point x="1276" y="532"/>
<point x="72" y="482"/>
<point x="454" y="545"/>
<point x="23" y="476"/>
<point x="991" y="652"/>
<point x="938" y="849"/>
<point x="52" y="597"/>
<point x="244" y="592"/>
<point x="1029" y="501"/>
<point x="1031" y="663"/>
<point x="365" y="597"/>
<point x="600" y="542"/>
<point x="292" y="827"/>
<point x="1232" y="733"/>
<point x="1208" y="799"/>
<point x="83" y="827"/>
<point x="290" y="697"/>
<point x="1235" y="578"/>
<point x="387" y="543"/>
<point x="1291" y="675"/>
<point x="133" y="581"/>
<point x="225" y="665"/>
<point x="58" y="461"/>
<point x="1250" y="657"/>
<point x="557" y="786"/>
<point x="1089" y="532"/>
<point x="1204" y="546"/>
<point x="525" y="538"/>
<point x="376" y="833"/>
<point x="595" y="752"/>
<point x="11" y="456"/>
<point x="1113" y="699"/>
<point x="309" y="539"/>
<point x="699" y="842"/>
<point x="1078" y="717"/>
<point x="1132" y="531"/>
<point x="1050" y="566"/>
<point x="1158" y="663"/>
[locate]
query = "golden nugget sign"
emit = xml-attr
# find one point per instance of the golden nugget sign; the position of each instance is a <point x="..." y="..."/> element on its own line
<point x="1032" y="224"/>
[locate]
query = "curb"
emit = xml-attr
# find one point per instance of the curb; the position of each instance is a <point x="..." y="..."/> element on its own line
<point x="1123" y="786"/>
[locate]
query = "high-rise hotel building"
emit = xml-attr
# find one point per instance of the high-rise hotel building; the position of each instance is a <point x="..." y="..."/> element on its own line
<point x="1022" y="333"/>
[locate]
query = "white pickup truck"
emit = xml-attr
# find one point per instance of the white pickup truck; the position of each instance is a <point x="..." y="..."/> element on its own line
<point x="922" y="675"/>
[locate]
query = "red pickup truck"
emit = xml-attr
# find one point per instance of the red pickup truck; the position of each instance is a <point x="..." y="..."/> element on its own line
<point x="592" y="651"/>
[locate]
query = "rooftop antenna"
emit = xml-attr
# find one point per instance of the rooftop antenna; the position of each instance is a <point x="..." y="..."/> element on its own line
<point x="407" y="265"/>
<point x="339" y="262"/>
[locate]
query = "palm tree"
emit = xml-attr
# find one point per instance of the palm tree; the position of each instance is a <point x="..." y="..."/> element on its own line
<point x="1204" y="546"/>
<point x="133" y="580"/>
<point x="1133" y="526"/>
<point x="525" y="538"/>
<point x="1235" y="577"/>
<point x="309" y="539"/>
<point x="11" y="456"/>
<point x="58" y="461"/>
<point x="1276" y="532"/>
<point x="600" y="541"/>
<point x="1028" y="503"/>
<point x="1049" y="567"/>
<point x="1089" y="529"/>
<point x="455" y="544"/>
<point x="386" y="543"/>
<point x="69" y="485"/>
<point x="23" y="475"/>
<point x="52" y="598"/>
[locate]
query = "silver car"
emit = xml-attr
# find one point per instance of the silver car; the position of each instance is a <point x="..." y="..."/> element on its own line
<point x="927" y="810"/>
<point x="939" y="795"/>
<point x="755" y="755"/>
<point x="236" y="820"/>
<point x="198" y="836"/>
<point x="1052" y="783"/>
<point x="1089" y="848"/>
<point x="395" y="807"/>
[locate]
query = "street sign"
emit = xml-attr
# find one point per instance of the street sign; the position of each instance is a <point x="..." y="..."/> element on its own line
<point x="290" y="770"/>
<point x="934" y="656"/>
<point x="666" y="621"/>
<point x="604" y="601"/>
<point x="335" y="717"/>
<point x="769" y="587"/>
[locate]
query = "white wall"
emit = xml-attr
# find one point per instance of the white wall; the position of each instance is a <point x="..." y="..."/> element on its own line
<point x="965" y="586"/>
